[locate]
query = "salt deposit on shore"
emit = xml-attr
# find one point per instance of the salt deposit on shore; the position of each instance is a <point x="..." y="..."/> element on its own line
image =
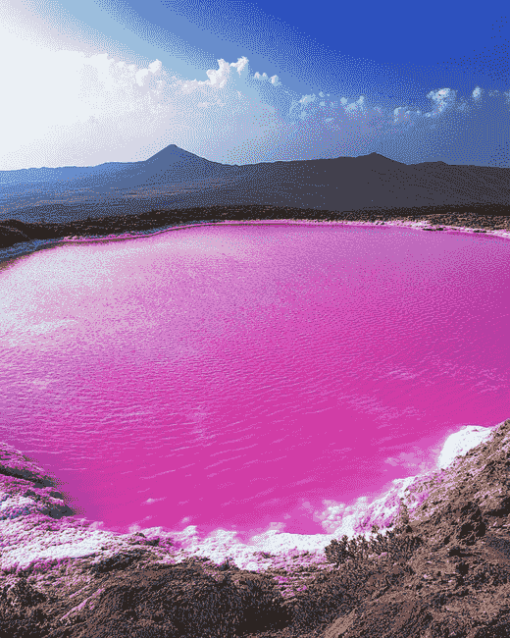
<point x="418" y="225"/>
<point x="439" y="223"/>
<point x="38" y="528"/>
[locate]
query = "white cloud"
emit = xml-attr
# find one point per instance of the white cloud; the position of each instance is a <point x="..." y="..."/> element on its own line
<point x="218" y="78"/>
<point x="156" y="66"/>
<point x="307" y="99"/>
<point x="74" y="108"/>
<point x="67" y="107"/>
<point x="401" y="115"/>
<point x="356" y="107"/>
<point x="274" y="80"/>
<point x="70" y="108"/>
<point x="442" y="99"/>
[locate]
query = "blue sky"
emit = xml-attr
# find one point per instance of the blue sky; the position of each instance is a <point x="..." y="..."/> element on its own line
<point x="241" y="82"/>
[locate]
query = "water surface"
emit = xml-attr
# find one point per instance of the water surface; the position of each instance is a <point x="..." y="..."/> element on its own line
<point x="250" y="376"/>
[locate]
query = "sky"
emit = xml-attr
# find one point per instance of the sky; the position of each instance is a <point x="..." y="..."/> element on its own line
<point x="241" y="82"/>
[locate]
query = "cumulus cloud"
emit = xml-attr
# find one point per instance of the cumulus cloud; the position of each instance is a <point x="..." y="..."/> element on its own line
<point x="218" y="78"/>
<point x="401" y="115"/>
<point x="70" y="108"/>
<point x="442" y="100"/>
<point x="457" y="129"/>
<point x="264" y="77"/>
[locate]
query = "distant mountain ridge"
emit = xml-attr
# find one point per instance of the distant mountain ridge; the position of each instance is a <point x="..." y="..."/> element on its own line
<point x="175" y="178"/>
<point x="169" y="156"/>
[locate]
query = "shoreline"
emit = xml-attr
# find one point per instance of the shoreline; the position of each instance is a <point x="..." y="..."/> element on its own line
<point x="46" y="500"/>
<point x="436" y="542"/>
<point x="398" y="223"/>
<point x="18" y="237"/>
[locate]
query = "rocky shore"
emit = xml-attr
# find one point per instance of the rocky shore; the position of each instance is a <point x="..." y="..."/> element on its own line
<point x="430" y="558"/>
<point x="479" y="217"/>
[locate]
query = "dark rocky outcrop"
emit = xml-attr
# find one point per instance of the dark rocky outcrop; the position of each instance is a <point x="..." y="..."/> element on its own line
<point x="178" y="600"/>
<point x="480" y="218"/>
<point x="10" y="236"/>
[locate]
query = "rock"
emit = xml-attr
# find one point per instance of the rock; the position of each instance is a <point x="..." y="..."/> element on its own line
<point x="10" y="236"/>
<point x="470" y="524"/>
<point x="341" y="626"/>
<point x="438" y="566"/>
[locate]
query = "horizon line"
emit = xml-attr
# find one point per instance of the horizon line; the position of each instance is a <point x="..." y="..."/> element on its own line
<point x="33" y="168"/>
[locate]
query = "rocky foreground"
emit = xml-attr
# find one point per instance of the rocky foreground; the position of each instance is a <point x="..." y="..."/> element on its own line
<point x="430" y="558"/>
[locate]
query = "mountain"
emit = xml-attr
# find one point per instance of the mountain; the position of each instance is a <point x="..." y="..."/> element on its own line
<point x="171" y="159"/>
<point x="431" y="557"/>
<point x="176" y="179"/>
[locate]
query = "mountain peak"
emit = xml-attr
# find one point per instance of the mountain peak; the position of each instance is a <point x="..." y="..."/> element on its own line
<point x="173" y="153"/>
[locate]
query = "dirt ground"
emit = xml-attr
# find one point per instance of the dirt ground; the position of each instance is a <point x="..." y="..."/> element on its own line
<point x="444" y="572"/>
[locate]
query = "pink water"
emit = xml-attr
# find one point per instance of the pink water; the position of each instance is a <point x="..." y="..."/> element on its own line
<point x="238" y="376"/>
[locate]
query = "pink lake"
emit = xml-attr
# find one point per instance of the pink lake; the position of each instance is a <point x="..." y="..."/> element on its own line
<point x="245" y="377"/>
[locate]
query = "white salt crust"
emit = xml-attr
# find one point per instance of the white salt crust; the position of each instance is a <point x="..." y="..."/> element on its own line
<point x="30" y="536"/>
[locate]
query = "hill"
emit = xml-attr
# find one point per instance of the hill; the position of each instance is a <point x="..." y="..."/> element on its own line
<point x="175" y="179"/>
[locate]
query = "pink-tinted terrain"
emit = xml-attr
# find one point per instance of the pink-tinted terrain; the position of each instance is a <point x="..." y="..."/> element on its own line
<point x="248" y="377"/>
